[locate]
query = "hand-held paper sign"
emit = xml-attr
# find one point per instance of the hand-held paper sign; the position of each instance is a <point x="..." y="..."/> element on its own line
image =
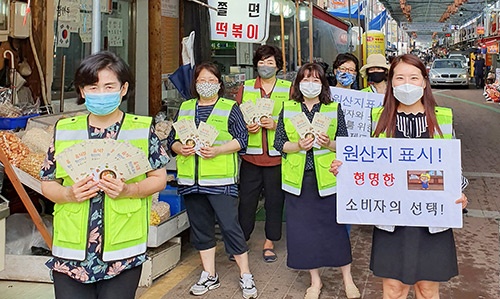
<point x="397" y="181"/>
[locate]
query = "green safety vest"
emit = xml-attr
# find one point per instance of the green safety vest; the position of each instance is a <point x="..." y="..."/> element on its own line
<point x="220" y="170"/>
<point x="292" y="167"/>
<point x="281" y="93"/>
<point x="126" y="220"/>
<point x="367" y="89"/>
<point x="444" y="117"/>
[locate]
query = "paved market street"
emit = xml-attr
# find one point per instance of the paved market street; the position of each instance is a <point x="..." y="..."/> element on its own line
<point x="477" y="124"/>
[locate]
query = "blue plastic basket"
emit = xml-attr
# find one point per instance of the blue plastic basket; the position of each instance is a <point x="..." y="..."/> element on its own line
<point x="12" y="123"/>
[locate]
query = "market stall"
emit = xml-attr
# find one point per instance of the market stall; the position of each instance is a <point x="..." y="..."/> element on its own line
<point x="22" y="154"/>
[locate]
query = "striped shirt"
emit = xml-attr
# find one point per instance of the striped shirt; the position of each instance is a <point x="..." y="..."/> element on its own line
<point x="282" y="137"/>
<point x="415" y="126"/>
<point x="237" y="129"/>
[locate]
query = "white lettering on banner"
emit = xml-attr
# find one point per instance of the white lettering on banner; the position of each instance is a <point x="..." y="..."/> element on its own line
<point x="244" y="21"/>
<point x="356" y="106"/>
<point x="399" y="181"/>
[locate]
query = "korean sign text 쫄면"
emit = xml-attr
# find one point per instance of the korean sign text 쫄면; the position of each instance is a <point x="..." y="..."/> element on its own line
<point x="239" y="21"/>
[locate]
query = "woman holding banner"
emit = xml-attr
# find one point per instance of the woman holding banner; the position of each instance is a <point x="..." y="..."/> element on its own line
<point x="314" y="238"/>
<point x="403" y="255"/>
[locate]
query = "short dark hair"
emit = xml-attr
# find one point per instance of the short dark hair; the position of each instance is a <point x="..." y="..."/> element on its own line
<point x="311" y="68"/>
<point x="266" y="51"/>
<point x="211" y="67"/>
<point x="87" y="72"/>
<point x="342" y="58"/>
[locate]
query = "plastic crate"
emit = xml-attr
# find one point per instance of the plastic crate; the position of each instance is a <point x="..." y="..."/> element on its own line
<point x="12" y="123"/>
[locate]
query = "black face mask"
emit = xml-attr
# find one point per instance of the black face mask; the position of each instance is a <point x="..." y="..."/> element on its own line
<point x="377" y="77"/>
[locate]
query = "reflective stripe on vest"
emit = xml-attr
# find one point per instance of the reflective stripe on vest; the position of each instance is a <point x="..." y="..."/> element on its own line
<point x="293" y="165"/>
<point x="444" y="117"/>
<point x="280" y="93"/>
<point x="220" y="170"/>
<point x="127" y="236"/>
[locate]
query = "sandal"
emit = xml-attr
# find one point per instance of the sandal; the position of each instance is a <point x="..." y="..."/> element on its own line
<point x="269" y="258"/>
<point x="312" y="293"/>
<point x="352" y="292"/>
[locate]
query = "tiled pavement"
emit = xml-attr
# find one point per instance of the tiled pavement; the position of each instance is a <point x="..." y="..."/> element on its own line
<point x="478" y="126"/>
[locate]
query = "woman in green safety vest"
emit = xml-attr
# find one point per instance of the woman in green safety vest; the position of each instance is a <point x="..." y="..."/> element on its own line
<point x="375" y="71"/>
<point x="314" y="238"/>
<point x="404" y="256"/>
<point x="101" y="225"/>
<point x="207" y="177"/>
<point x="260" y="171"/>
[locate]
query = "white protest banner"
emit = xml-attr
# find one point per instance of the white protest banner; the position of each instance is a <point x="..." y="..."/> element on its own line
<point x="244" y="21"/>
<point x="356" y="106"/>
<point x="399" y="181"/>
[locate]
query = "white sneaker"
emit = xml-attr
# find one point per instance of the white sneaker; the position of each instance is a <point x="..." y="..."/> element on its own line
<point x="205" y="284"/>
<point x="247" y="286"/>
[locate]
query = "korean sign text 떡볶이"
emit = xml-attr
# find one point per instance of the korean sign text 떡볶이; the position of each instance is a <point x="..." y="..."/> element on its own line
<point x="399" y="181"/>
<point x="239" y="21"/>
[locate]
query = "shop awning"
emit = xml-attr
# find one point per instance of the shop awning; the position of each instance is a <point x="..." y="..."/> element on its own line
<point x="344" y="12"/>
<point x="378" y="21"/>
<point x="324" y="15"/>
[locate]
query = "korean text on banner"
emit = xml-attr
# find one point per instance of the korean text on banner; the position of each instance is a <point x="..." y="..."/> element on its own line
<point x="399" y="181"/>
<point x="356" y="106"/>
<point x="244" y="21"/>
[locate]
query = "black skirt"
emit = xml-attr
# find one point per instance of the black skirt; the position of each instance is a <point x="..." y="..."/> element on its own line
<point x="314" y="238"/>
<point x="411" y="254"/>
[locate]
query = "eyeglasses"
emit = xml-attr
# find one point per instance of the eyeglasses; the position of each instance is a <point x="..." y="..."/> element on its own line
<point x="347" y="69"/>
<point x="207" y="80"/>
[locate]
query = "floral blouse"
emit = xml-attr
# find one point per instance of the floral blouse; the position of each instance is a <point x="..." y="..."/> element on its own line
<point x="93" y="268"/>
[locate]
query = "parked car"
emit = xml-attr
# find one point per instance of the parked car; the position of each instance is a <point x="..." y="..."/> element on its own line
<point x="449" y="72"/>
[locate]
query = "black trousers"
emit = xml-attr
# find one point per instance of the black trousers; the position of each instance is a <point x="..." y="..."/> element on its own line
<point x="255" y="180"/>
<point x="203" y="210"/>
<point x="122" y="286"/>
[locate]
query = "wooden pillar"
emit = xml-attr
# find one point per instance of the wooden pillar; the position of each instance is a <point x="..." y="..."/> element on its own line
<point x="154" y="48"/>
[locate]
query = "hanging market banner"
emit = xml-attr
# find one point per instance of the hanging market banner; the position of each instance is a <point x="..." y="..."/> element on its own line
<point x="399" y="181"/>
<point x="244" y="21"/>
<point x="426" y="27"/>
<point x="357" y="106"/>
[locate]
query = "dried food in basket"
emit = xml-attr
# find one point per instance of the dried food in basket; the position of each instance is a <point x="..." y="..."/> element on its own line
<point x="13" y="147"/>
<point x="160" y="211"/>
<point x="32" y="164"/>
<point x="163" y="128"/>
<point x="9" y="110"/>
<point x="37" y="139"/>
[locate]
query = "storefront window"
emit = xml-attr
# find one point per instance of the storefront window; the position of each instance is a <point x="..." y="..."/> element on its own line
<point x="328" y="41"/>
<point x="73" y="35"/>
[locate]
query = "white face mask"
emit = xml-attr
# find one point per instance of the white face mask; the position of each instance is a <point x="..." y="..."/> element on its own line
<point x="310" y="89"/>
<point x="408" y="94"/>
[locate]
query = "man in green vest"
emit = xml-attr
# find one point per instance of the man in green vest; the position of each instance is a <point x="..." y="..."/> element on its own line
<point x="261" y="166"/>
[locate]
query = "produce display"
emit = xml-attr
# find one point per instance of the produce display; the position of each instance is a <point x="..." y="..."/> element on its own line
<point x="13" y="147"/>
<point x="9" y="110"/>
<point x="38" y="140"/>
<point x="160" y="211"/>
<point x="32" y="164"/>
<point x="163" y="128"/>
